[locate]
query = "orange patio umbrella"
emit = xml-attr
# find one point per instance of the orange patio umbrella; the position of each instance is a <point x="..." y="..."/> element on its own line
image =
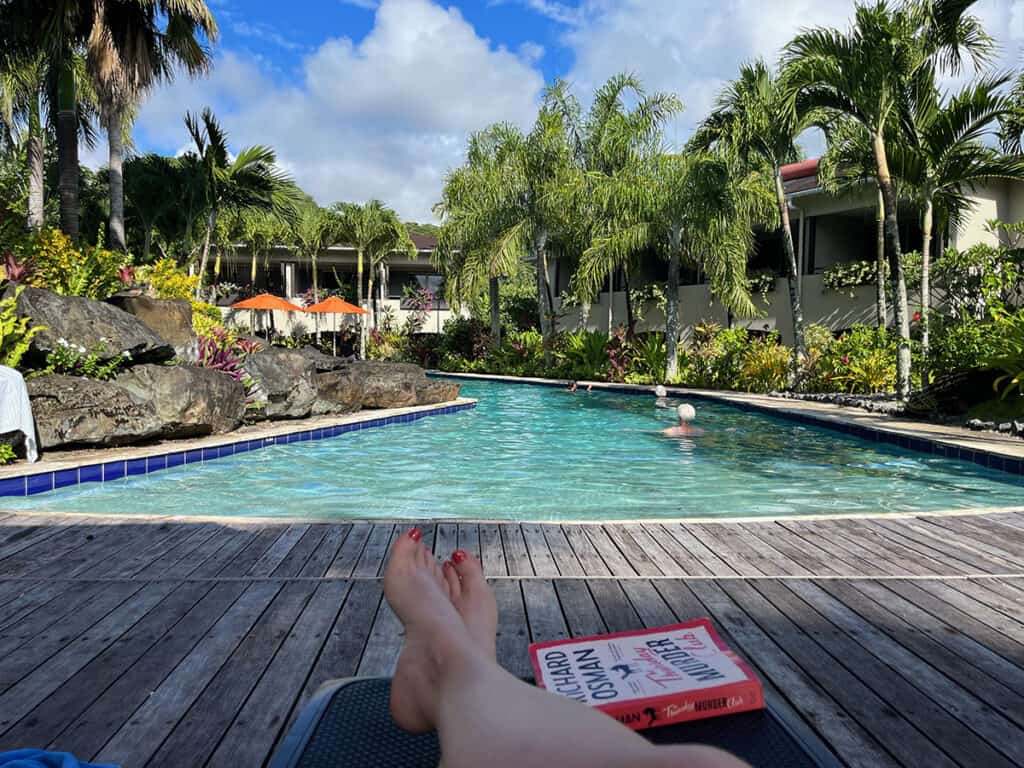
<point x="267" y="302"/>
<point x="335" y="306"/>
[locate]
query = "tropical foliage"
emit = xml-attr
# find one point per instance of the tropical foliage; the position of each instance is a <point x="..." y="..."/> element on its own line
<point x="15" y="333"/>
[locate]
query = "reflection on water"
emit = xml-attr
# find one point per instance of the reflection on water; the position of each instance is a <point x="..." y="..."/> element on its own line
<point x="544" y="454"/>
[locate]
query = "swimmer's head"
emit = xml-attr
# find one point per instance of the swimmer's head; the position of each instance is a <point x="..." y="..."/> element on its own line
<point x="660" y="391"/>
<point x="686" y="413"/>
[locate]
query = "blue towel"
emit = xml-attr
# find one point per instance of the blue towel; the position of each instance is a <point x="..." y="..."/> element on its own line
<point x="38" y="758"/>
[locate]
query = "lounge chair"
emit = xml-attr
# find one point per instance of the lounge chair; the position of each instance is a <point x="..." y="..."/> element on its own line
<point x="348" y="724"/>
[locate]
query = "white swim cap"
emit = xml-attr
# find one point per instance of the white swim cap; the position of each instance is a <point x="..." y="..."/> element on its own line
<point x="660" y="391"/>
<point x="686" y="412"/>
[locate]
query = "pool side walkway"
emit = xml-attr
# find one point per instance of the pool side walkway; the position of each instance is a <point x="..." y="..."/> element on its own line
<point x="183" y="642"/>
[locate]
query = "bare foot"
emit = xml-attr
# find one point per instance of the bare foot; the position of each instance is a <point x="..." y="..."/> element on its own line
<point x="415" y="588"/>
<point x="473" y="599"/>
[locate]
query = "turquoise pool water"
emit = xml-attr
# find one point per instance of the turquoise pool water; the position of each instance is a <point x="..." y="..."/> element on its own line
<point x="538" y="453"/>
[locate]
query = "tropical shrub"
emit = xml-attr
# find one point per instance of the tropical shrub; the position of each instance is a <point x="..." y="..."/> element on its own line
<point x="58" y="266"/>
<point x="7" y="454"/>
<point x="716" y="355"/>
<point x="649" y="359"/>
<point x="862" y="360"/>
<point x="14" y="270"/>
<point x="15" y="333"/>
<point x="206" y="318"/>
<point x="960" y="345"/>
<point x="521" y="354"/>
<point x="585" y="354"/>
<point x="1008" y="353"/>
<point x="765" y="366"/>
<point x="619" y="355"/>
<point x="70" y="359"/>
<point x="467" y="337"/>
<point x="167" y="280"/>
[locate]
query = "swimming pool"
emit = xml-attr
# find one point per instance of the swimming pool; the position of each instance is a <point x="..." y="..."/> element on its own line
<point x="539" y="453"/>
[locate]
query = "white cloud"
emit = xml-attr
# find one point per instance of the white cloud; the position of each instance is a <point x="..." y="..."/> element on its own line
<point x="369" y="5"/>
<point x="385" y="117"/>
<point x="265" y="32"/>
<point x="693" y="47"/>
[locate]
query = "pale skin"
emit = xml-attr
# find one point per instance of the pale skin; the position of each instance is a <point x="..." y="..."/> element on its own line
<point x="447" y="679"/>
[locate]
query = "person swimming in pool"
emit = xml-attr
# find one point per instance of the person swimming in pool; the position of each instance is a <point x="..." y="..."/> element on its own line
<point x="686" y="414"/>
<point x="662" y="397"/>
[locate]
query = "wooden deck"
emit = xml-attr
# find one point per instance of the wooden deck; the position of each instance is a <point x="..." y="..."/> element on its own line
<point x="897" y="642"/>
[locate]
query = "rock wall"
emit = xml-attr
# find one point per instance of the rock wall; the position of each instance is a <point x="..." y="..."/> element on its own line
<point x="177" y="399"/>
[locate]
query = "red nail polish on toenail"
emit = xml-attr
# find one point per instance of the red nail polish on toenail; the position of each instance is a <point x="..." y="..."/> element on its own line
<point x="415" y="534"/>
<point x="459" y="555"/>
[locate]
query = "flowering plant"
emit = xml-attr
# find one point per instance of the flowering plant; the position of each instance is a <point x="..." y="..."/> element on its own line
<point x="220" y="351"/>
<point x="75" y="360"/>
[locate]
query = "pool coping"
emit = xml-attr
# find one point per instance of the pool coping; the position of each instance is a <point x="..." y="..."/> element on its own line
<point x="114" y="518"/>
<point x="991" y="450"/>
<point x="25" y="479"/>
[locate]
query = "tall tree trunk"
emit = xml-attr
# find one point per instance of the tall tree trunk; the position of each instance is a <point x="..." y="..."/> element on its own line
<point x="67" y="147"/>
<point x="494" y="297"/>
<point x="630" y="320"/>
<point x="147" y="243"/>
<point x="359" y="301"/>
<point x="211" y="222"/>
<point x="881" y="315"/>
<point x="611" y="299"/>
<point x="892" y="238"/>
<point x="543" y="294"/>
<point x="672" y="307"/>
<point x="372" y="300"/>
<point x="115" y="142"/>
<point x="316" y="291"/>
<point x="926" y="289"/>
<point x="34" y="161"/>
<point x="252" y="268"/>
<point x="793" y="271"/>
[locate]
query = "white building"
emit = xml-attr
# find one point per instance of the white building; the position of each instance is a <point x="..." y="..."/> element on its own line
<point x="827" y="230"/>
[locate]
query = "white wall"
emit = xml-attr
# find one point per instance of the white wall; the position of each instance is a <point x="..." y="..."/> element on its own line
<point x="697" y="305"/>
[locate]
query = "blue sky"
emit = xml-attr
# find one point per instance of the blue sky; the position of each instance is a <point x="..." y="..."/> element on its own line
<point x="375" y="98"/>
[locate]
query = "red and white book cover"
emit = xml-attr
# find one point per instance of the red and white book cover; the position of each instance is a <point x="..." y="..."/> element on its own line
<point x="652" y="677"/>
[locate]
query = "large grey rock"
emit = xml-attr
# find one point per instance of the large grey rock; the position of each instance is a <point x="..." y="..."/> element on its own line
<point x="85" y="322"/>
<point x="398" y="385"/>
<point x="953" y="393"/>
<point x="170" y="319"/>
<point x="338" y="392"/>
<point x="189" y="401"/>
<point x="284" y="382"/>
<point x="321" y="361"/>
<point x="77" y="411"/>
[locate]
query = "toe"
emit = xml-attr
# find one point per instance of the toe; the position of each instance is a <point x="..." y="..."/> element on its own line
<point x="469" y="568"/>
<point x="454" y="584"/>
<point x="406" y="548"/>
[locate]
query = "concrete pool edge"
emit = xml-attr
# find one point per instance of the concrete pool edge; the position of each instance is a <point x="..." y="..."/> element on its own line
<point x="116" y="463"/>
<point x="991" y="450"/>
<point x="101" y="518"/>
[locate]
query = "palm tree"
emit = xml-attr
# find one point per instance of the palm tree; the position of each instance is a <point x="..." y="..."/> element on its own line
<point x="756" y="117"/>
<point x="1011" y="126"/>
<point x="608" y="139"/>
<point x="867" y="73"/>
<point x="22" y="88"/>
<point x="371" y="228"/>
<point x="945" y="158"/>
<point x="261" y="230"/>
<point x="249" y="182"/>
<point x="395" y="239"/>
<point x="469" y="250"/>
<point x="694" y="208"/>
<point x="846" y="167"/>
<point x="158" y="37"/>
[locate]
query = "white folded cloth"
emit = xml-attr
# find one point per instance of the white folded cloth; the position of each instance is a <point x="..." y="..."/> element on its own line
<point x="16" y="410"/>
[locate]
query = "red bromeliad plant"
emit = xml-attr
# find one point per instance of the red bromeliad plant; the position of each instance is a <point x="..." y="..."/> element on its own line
<point x="219" y="352"/>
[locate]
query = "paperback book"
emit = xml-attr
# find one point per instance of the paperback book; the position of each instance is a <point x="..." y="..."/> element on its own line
<point x="651" y="677"/>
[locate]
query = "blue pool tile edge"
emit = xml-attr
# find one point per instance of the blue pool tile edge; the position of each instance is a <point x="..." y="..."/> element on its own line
<point x="1009" y="464"/>
<point x="107" y="471"/>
